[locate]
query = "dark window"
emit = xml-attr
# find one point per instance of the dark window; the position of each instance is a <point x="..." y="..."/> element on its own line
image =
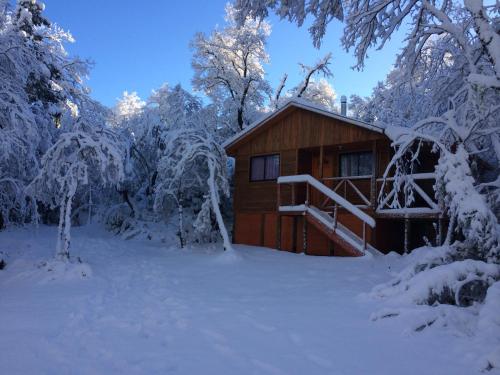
<point x="356" y="164"/>
<point x="263" y="168"/>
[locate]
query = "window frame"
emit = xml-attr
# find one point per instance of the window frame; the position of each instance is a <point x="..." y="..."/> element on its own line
<point x="264" y="156"/>
<point x="357" y="153"/>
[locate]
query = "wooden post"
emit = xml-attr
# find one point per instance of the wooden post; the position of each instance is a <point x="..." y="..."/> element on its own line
<point x="373" y="187"/>
<point x="262" y="228"/>
<point x="278" y="233"/>
<point x="321" y="162"/>
<point x="304" y="234"/>
<point x="373" y="192"/>
<point x="307" y="194"/>
<point x="278" y="199"/>
<point x="335" y="216"/>
<point x="364" y="235"/>
<point x="407" y="236"/>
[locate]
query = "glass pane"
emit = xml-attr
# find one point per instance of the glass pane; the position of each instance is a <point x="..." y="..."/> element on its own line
<point x="354" y="164"/>
<point x="365" y="163"/>
<point x="272" y="167"/>
<point x="257" y="168"/>
<point x="344" y="165"/>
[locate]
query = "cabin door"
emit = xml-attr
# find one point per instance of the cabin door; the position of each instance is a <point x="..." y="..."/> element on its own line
<point x="318" y="199"/>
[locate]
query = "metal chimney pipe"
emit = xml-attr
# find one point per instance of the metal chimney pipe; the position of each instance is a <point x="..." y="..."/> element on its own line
<point x="343" y="105"/>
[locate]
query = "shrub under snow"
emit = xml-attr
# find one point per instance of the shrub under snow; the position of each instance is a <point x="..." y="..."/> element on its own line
<point x="433" y="280"/>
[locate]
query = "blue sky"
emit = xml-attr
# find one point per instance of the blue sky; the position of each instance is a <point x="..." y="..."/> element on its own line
<point x="139" y="45"/>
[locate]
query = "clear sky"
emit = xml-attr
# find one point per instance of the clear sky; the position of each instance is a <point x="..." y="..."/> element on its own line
<point x="139" y="45"/>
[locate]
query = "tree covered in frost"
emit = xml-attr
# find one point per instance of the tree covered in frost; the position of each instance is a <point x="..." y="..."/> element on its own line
<point x="40" y="85"/>
<point x="161" y="179"/>
<point x="229" y="68"/>
<point x="145" y="134"/>
<point x="78" y="158"/>
<point x="195" y="160"/>
<point x="321" y="11"/>
<point x="362" y="108"/>
<point x="444" y="91"/>
<point x="321" y="92"/>
<point x="128" y="106"/>
<point x="318" y="91"/>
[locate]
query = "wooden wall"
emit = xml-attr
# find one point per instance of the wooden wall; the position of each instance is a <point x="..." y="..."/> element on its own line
<point x="296" y="129"/>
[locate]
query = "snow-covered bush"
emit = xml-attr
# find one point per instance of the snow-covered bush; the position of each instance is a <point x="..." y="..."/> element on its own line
<point x="433" y="278"/>
<point x="467" y="209"/>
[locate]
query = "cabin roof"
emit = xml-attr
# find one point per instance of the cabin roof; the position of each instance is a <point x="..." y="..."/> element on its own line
<point x="297" y="103"/>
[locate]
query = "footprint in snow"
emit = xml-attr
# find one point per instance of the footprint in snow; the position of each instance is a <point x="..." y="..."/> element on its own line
<point x="257" y="325"/>
<point x="322" y="362"/>
<point x="263" y="327"/>
<point x="266" y="368"/>
<point x="214" y="335"/>
<point x="295" y="338"/>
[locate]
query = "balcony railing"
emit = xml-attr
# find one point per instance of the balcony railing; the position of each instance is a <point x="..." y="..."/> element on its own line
<point x="399" y="202"/>
<point x="367" y="192"/>
<point x="359" y="190"/>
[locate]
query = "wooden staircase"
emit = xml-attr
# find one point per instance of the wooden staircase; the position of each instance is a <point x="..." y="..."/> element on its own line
<point x="327" y="222"/>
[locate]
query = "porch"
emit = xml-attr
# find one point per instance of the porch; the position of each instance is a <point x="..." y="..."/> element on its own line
<point x="344" y="194"/>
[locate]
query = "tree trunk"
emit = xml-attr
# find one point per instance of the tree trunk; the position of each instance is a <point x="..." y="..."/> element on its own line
<point x="240" y="118"/>
<point x="214" y="197"/>
<point x="64" y="235"/>
<point x="181" y="224"/>
<point x="126" y="198"/>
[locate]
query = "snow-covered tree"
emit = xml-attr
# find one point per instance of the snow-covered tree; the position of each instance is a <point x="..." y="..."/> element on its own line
<point x="145" y="136"/>
<point x="310" y="88"/>
<point x="194" y="159"/>
<point x="128" y="106"/>
<point x="321" y="11"/>
<point x="39" y="85"/>
<point x="153" y="188"/>
<point x="321" y="92"/>
<point x="362" y="108"/>
<point x="228" y="68"/>
<point x="175" y="106"/>
<point x="76" y="159"/>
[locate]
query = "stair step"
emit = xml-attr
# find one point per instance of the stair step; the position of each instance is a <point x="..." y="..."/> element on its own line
<point x="339" y="234"/>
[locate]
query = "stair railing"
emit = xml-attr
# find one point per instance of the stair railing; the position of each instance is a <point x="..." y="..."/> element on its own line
<point x="325" y="190"/>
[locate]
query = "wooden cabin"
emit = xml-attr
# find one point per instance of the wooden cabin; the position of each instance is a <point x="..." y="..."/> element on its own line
<point x="309" y="180"/>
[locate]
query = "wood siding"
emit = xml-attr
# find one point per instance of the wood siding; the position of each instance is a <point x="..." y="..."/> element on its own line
<point x="299" y="130"/>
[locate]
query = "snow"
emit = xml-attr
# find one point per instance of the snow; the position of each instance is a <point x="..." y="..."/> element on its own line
<point x="416" y="289"/>
<point x="298" y="207"/>
<point x="149" y="307"/>
<point x="489" y="327"/>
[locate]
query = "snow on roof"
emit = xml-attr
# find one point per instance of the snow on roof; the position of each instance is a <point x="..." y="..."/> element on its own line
<point x="304" y="104"/>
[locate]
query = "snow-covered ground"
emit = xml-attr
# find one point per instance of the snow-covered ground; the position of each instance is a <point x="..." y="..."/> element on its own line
<point x="146" y="307"/>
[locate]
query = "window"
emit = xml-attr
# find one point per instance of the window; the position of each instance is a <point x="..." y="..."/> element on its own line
<point x="264" y="168"/>
<point x="356" y="164"/>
